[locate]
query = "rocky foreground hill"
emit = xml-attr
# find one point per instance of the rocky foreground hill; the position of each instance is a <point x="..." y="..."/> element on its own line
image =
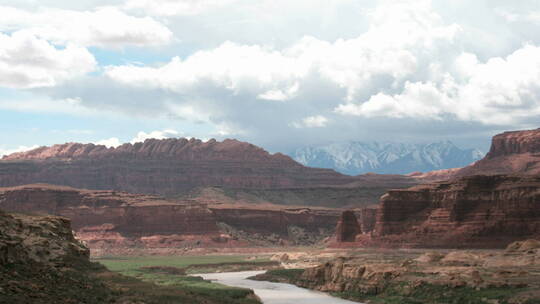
<point x="42" y="263"/>
<point x="173" y="167"/>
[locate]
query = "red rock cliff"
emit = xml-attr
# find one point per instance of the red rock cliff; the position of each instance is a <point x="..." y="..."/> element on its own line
<point x="515" y="142"/>
<point x="109" y="219"/>
<point x="175" y="166"/>
<point x="158" y="166"/>
<point x="475" y="211"/>
<point x="171" y="148"/>
<point x="510" y="153"/>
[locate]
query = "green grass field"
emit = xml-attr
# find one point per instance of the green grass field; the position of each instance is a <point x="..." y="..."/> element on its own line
<point x="133" y="265"/>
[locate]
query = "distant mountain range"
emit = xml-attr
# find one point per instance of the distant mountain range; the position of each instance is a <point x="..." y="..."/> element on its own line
<point x="355" y="158"/>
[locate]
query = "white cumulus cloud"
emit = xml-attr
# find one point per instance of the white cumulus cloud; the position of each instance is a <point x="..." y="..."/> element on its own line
<point x="176" y="7"/>
<point x="142" y="136"/>
<point x="499" y="91"/>
<point x="390" y="48"/>
<point x="102" y="27"/>
<point x="27" y="61"/>
<point x="112" y="142"/>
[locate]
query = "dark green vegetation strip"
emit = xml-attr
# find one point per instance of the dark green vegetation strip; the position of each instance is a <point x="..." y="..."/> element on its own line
<point x="132" y="265"/>
<point x="280" y="275"/>
<point x="91" y="283"/>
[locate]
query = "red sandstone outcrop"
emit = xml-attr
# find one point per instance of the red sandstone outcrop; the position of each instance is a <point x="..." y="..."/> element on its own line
<point x="510" y="153"/>
<point x="110" y="219"/>
<point x="474" y="211"/>
<point x="171" y="148"/>
<point x="171" y="167"/>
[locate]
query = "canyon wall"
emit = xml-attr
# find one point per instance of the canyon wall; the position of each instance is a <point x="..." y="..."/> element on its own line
<point x="475" y="206"/>
<point x="161" y="166"/>
<point x="111" y="219"/>
<point x="173" y="167"/>
<point x="474" y="211"/>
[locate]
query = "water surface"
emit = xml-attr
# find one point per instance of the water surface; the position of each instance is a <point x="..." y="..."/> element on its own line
<point x="273" y="293"/>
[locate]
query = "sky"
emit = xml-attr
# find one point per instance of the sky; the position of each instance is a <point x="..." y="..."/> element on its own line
<point x="278" y="73"/>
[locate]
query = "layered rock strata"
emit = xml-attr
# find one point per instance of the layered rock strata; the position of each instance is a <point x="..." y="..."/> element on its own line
<point x="403" y="276"/>
<point x="474" y="211"/>
<point x="162" y="166"/>
<point x="171" y="167"/>
<point x="110" y="219"/>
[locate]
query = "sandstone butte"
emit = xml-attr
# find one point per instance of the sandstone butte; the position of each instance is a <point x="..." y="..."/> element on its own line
<point x="469" y="210"/>
<point x="172" y="167"/>
<point x="109" y="220"/>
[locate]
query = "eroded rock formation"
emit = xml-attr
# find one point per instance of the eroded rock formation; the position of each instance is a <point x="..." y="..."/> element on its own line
<point x="402" y="276"/>
<point x="110" y="219"/>
<point x="42" y="262"/>
<point x="510" y="153"/>
<point x="162" y="166"/>
<point x="515" y="152"/>
<point x="474" y="211"/>
<point x="39" y="239"/>
<point x="171" y="167"/>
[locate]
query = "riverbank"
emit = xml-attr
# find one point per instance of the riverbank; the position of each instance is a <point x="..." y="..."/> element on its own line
<point x="509" y="276"/>
<point x="273" y="293"/>
<point x="172" y="273"/>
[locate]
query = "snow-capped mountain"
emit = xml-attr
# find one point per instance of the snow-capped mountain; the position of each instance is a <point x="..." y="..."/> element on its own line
<point x="390" y="158"/>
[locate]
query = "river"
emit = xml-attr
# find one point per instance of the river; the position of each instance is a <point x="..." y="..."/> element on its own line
<point x="273" y="293"/>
